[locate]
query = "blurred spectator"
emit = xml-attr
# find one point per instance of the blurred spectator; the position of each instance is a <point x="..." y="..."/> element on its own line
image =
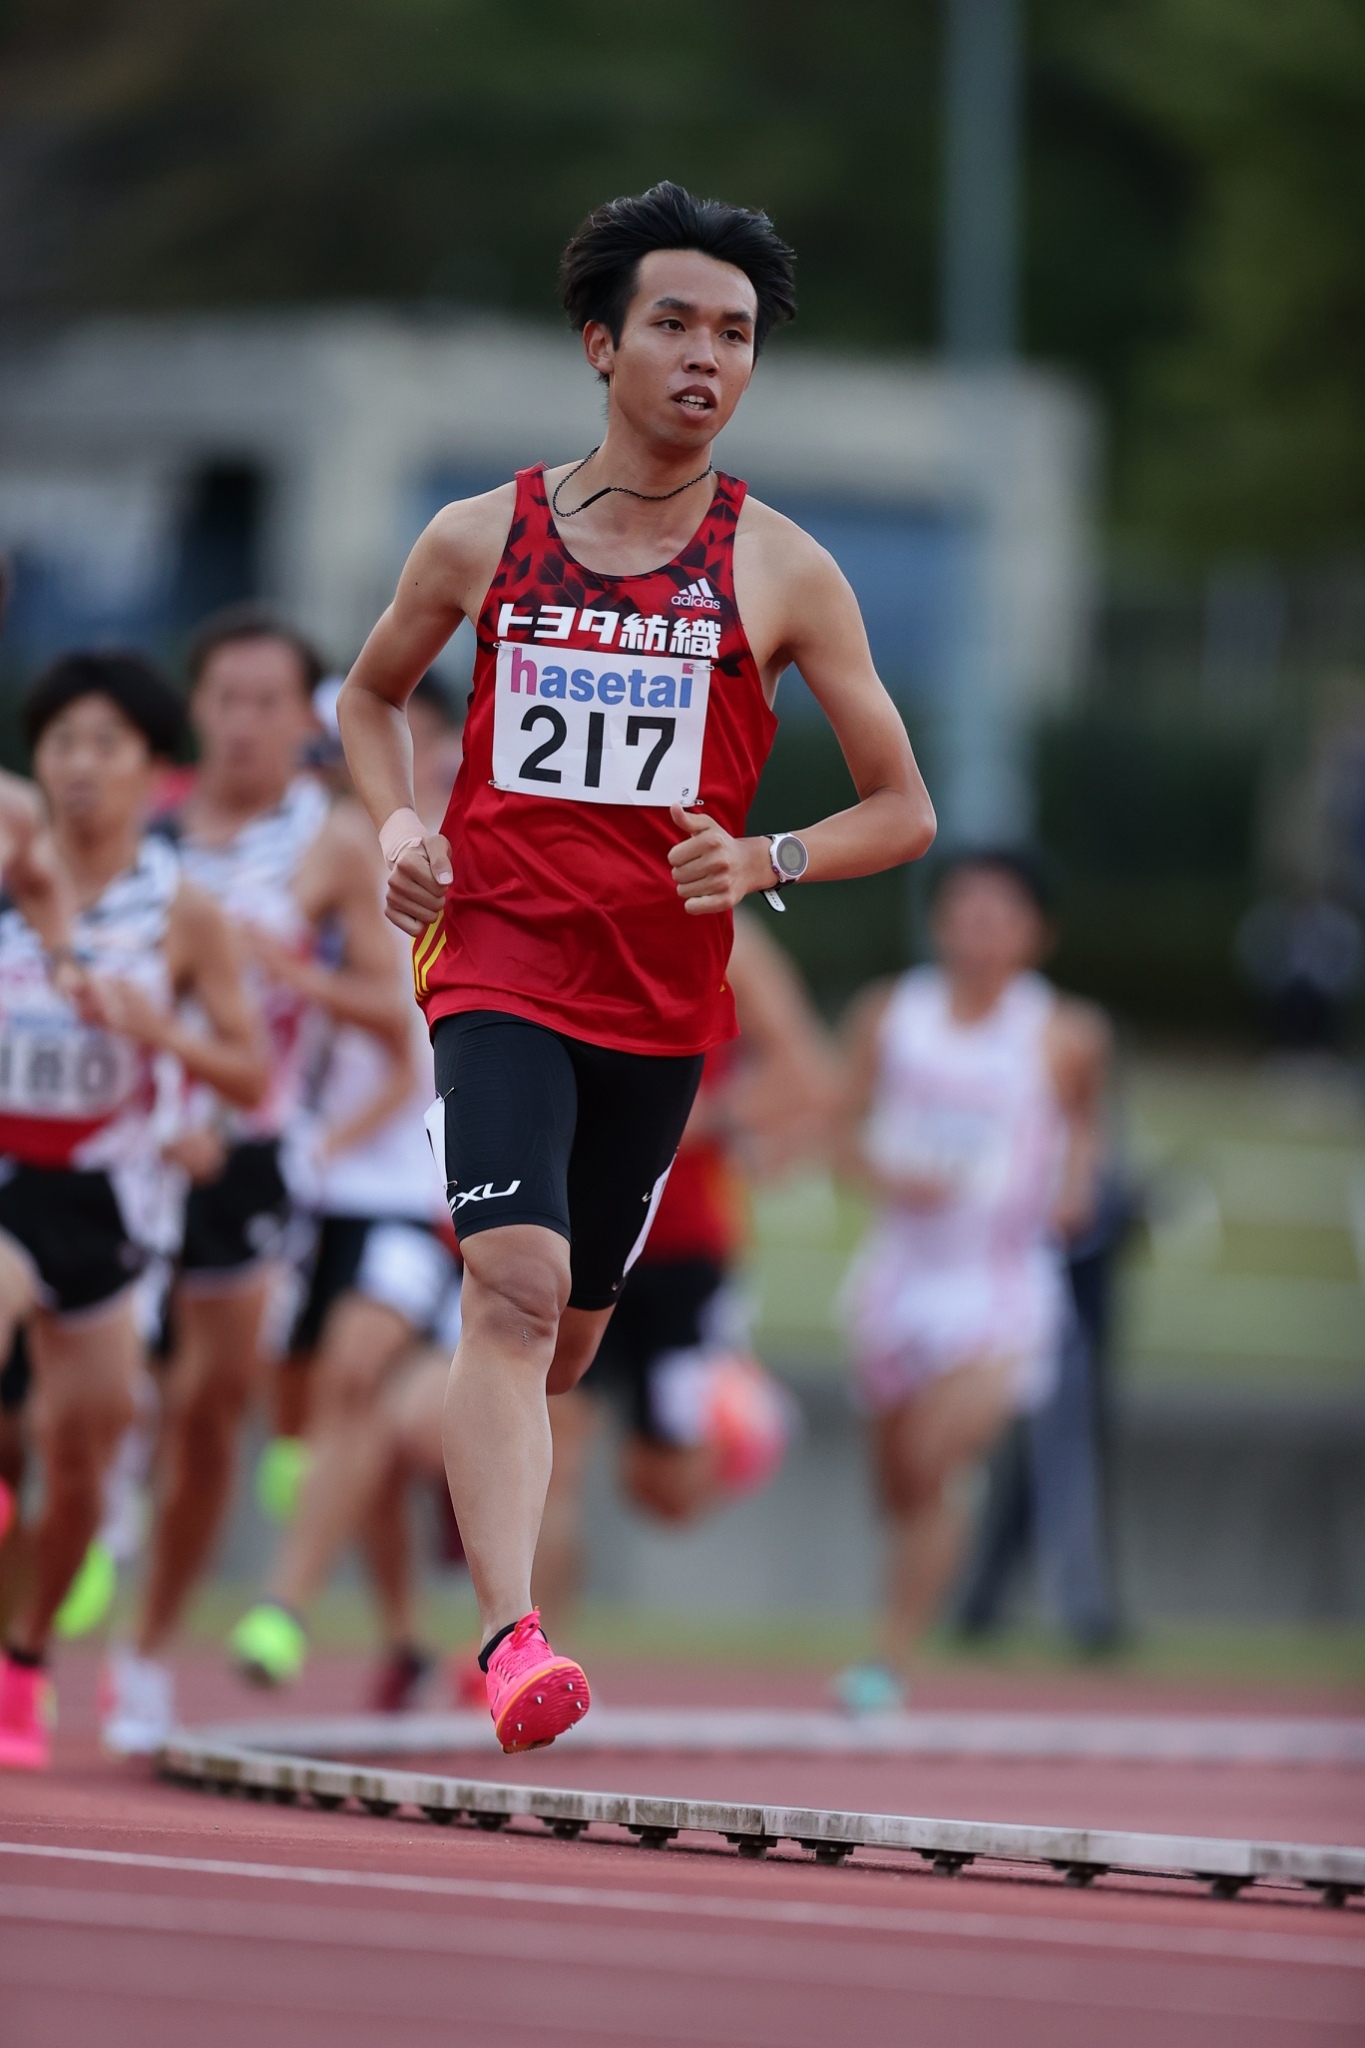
<point x="1302" y="954"/>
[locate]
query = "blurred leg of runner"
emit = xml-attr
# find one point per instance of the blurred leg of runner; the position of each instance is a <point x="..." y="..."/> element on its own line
<point x="16" y="1379"/>
<point x="399" y="1275"/>
<point x="83" y="1400"/>
<point x="923" y="1451"/>
<point x="215" y="1373"/>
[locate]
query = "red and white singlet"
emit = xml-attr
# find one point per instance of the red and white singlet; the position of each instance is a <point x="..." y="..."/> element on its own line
<point x="71" y="1094"/>
<point x="251" y="877"/>
<point x="598" y="701"/>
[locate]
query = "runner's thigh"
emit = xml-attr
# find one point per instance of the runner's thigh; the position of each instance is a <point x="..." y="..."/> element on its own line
<point x="507" y="1115"/>
<point x="631" y="1113"/>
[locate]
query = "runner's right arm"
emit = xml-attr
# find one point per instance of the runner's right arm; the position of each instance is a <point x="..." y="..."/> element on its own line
<point x="444" y="581"/>
<point x="202" y="956"/>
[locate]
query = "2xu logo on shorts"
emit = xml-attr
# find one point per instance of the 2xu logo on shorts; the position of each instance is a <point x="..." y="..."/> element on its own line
<point x="487" y="1193"/>
<point x="596" y="728"/>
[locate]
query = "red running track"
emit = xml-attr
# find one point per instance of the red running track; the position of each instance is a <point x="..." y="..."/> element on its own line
<point x="132" y="1912"/>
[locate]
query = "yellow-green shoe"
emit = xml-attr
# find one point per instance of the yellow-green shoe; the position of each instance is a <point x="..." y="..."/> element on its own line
<point x="280" y="1472"/>
<point x="90" y="1594"/>
<point x="268" y="1646"/>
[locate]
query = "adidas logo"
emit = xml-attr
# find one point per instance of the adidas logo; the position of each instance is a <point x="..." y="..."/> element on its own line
<point x="698" y="596"/>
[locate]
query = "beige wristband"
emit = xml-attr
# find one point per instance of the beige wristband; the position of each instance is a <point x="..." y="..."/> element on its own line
<point x="400" y="831"/>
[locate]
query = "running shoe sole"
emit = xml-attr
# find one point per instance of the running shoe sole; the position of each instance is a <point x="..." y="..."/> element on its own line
<point x="543" y="1706"/>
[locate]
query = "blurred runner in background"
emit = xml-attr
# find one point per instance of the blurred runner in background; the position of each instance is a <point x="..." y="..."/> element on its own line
<point x="975" y="1120"/>
<point x="288" y="867"/>
<point x="384" y="1275"/>
<point x="704" y="1420"/>
<point x="91" y="1048"/>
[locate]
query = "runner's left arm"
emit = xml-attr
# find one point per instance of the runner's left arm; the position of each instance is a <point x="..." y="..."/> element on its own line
<point x="202" y="957"/>
<point x="799" y="610"/>
<point x="787" y="1087"/>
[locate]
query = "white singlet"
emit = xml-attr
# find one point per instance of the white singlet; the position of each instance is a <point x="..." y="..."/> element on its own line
<point x="980" y="1276"/>
<point x="391" y="1173"/>
<point x="71" y="1094"/>
<point x="251" y="876"/>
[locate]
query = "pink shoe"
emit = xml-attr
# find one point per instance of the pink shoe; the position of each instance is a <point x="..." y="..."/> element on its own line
<point x="750" y="1421"/>
<point x="532" y="1694"/>
<point x="28" y="1713"/>
<point x="6" y="1510"/>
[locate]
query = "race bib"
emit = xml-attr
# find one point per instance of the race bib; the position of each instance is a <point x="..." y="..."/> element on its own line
<point x="966" y="1148"/>
<point x="48" y="1069"/>
<point x="599" y="728"/>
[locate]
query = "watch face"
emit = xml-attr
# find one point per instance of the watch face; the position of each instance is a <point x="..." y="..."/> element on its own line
<point x="790" y="856"/>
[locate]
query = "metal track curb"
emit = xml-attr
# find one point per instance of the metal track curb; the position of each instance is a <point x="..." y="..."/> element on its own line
<point x="1083" y="1854"/>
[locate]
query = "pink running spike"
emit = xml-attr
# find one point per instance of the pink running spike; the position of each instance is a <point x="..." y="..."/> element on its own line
<point x="27" y="1712"/>
<point x="532" y="1694"/>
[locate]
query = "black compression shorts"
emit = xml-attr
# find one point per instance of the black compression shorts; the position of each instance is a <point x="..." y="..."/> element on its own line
<point x="542" y="1128"/>
<point x="663" y="1308"/>
<point x="70" y="1224"/>
<point x="236" y="1221"/>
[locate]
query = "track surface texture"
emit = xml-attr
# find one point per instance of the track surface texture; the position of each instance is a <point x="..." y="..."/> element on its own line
<point x="135" y="1912"/>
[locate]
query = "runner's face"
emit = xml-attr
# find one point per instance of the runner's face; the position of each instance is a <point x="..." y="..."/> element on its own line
<point x="252" y="715"/>
<point x="686" y="351"/>
<point x="95" y="768"/>
<point x="985" y="925"/>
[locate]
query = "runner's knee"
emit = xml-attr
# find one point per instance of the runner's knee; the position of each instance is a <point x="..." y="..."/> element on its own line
<point x="78" y="1435"/>
<point x="514" y="1294"/>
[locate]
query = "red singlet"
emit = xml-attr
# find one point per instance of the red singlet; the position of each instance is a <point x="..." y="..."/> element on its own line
<point x="598" y="700"/>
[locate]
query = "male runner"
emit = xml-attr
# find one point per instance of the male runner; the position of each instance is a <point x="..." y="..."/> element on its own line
<point x="634" y="611"/>
<point x="90" y="1045"/>
<point x="974" y="1118"/>
<point x="380" y="1279"/>
<point x="284" y="863"/>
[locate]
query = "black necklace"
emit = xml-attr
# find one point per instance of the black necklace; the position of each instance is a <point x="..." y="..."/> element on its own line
<point x="647" y="497"/>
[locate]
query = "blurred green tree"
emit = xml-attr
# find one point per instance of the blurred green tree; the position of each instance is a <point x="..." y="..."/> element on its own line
<point x="1196" y="190"/>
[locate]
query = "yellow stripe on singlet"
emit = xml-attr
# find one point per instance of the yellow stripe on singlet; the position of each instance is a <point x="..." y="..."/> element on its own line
<point x="425" y="955"/>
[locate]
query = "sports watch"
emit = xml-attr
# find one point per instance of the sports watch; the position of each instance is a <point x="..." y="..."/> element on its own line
<point x="790" y="860"/>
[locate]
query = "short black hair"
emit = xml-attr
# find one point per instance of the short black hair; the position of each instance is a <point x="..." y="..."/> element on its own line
<point x="142" y="693"/>
<point x="600" y="266"/>
<point x="1024" y="865"/>
<point x="252" y="621"/>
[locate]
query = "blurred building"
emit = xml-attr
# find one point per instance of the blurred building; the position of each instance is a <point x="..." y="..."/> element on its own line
<point x="151" y="468"/>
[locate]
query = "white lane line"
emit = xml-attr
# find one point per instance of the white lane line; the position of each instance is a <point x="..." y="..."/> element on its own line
<point x="1318" y="1950"/>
